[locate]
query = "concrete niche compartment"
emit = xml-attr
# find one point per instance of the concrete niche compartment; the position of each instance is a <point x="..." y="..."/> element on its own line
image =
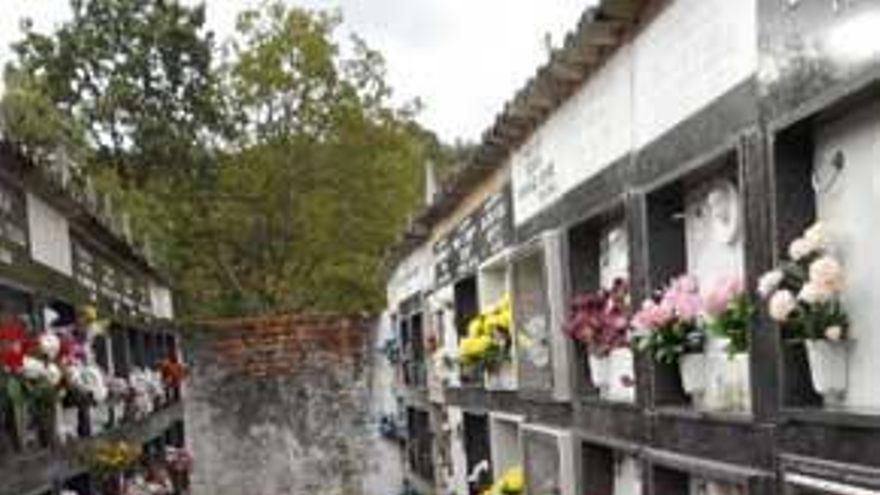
<point x="695" y="228"/>
<point x="550" y="461"/>
<point x="598" y="256"/>
<point x="478" y="452"/>
<point x="494" y="283"/>
<point x="467" y="305"/>
<point x="826" y="170"/>
<point x="504" y="431"/>
<point x="544" y="352"/>
<point x="609" y="471"/>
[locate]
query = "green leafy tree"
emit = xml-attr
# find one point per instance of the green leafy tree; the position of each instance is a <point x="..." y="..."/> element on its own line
<point x="324" y="173"/>
<point x="312" y="171"/>
<point x="136" y="75"/>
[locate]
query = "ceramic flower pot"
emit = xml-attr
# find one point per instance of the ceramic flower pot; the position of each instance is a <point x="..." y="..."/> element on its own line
<point x="503" y="377"/>
<point x="828" y="368"/>
<point x="692" y="367"/>
<point x="621" y="377"/>
<point x="599" y="371"/>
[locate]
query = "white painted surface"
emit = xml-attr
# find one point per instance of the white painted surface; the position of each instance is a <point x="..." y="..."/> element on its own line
<point x="588" y="132"/>
<point x="694" y="52"/>
<point x="712" y="254"/>
<point x="849" y="209"/>
<point x="691" y="54"/>
<point x="561" y="478"/>
<point x="613" y="255"/>
<point x="443" y="366"/>
<point x="627" y="476"/>
<point x="505" y="443"/>
<point x="160" y="298"/>
<point x="715" y="251"/>
<point x="457" y="450"/>
<point x="385" y="473"/>
<point x="49" y="235"/>
<point x="412" y="275"/>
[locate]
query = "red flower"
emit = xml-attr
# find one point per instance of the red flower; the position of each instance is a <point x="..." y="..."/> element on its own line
<point x="13" y="345"/>
<point x="12" y="330"/>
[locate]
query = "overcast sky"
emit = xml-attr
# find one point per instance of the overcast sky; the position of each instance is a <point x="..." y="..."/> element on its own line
<point x="463" y="58"/>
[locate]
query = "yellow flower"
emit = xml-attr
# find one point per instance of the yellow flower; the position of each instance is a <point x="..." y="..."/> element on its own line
<point x="513" y="481"/>
<point x="473" y="348"/>
<point x="477" y="326"/>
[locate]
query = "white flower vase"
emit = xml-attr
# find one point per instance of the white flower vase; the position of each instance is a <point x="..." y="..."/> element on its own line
<point x="502" y="378"/>
<point x="599" y="372"/>
<point x="729" y="386"/>
<point x="67" y="420"/>
<point x="828" y="368"/>
<point x="692" y="367"/>
<point x="621" y="377"/>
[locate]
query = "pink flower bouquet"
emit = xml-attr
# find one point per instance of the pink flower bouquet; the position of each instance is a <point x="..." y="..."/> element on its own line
<point x="670" y="327"/>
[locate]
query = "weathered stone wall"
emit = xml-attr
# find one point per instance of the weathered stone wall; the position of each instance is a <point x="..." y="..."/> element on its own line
<point x="279" y="406"/>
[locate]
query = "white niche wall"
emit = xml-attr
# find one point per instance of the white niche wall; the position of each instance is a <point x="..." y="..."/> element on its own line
<point x="506" y="443"/>
<point x="848" y="204"/>
<point x="614" y="264"/>
<point x="715" y="251"/>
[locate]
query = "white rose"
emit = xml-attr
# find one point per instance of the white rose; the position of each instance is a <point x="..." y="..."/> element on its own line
<point x="781" y="305"/>
<point x="50" y="345"/>
<point x="834" y="333"/>
<point x="800" y="248"/>
<point x="827" y="273"/>
<point x="53" y="374"/>
<point x="769" y="282"/>
<point x="814" y="293"/>
<point x="33" y="369"/>
<point x="816" y="235"/>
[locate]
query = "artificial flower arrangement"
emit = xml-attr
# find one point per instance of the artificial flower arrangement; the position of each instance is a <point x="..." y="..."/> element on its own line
<point x="601" y="319"/>
<point x="803" y="293"/>
<point x="32" y="375"/>
<point x="803" y="296"/>
<point x="670" y="328"/>
<point x="108" y="460"/>
<point x="173" y="372"/>
<point x="108" y="457"/>
<point x="512" y="482"/>
<point x="727" y="310"/>
<point x="489" y="339"/>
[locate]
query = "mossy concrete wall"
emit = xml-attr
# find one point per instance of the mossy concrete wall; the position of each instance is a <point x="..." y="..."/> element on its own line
<point x="281" y="405"/>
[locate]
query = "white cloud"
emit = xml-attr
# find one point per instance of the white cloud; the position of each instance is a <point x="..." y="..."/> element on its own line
<point x="463" y="58"/>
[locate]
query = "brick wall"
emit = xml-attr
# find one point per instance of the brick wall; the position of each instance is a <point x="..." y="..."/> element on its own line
<point x="279" y="405"/>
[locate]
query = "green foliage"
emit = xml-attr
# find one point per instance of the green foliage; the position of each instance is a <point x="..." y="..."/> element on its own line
<point x="271" y="180"/>
<point x="669" y="342"/>
<point x="733" y="324"/>
<point x="136" y="74"/>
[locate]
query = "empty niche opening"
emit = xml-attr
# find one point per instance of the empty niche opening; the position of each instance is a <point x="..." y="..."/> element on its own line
<point x="826" y="170"/>
<point x="610" y="472"/>
<point x="478" y="452"/>
<point x="695" y="229"/>
<point x="419" y="445"/>
<point x="598" y="250"/>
